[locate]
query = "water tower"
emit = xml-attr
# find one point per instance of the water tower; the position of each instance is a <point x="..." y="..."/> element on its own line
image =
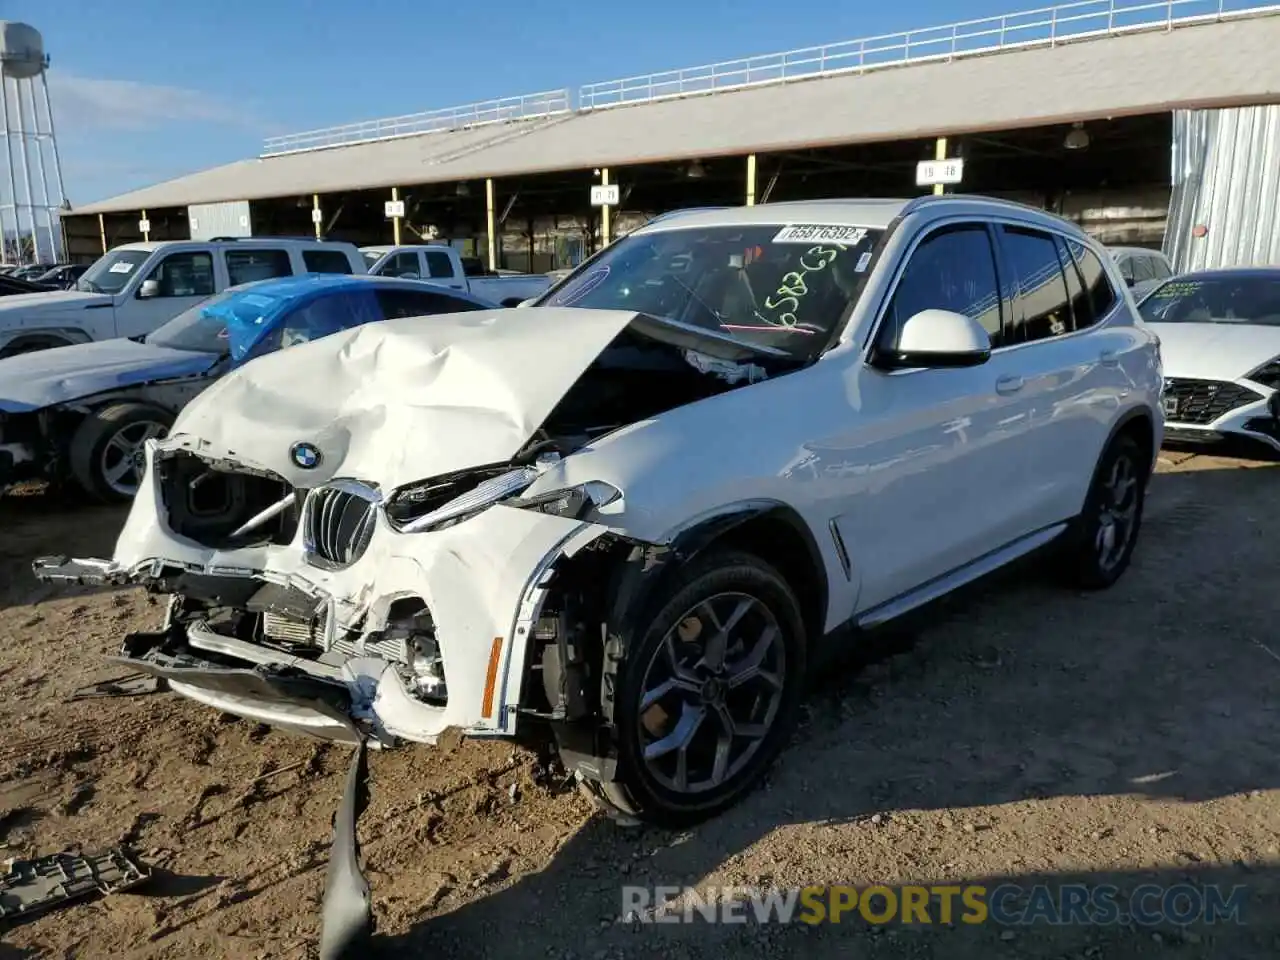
<point x="29" y="212"/>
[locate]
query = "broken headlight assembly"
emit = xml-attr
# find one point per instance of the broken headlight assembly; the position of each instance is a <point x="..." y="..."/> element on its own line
<point x="443" y="501"/>
<point x="1268" y="374"/>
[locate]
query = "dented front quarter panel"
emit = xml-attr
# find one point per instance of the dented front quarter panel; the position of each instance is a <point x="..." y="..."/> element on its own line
<point x="479" y="579"/>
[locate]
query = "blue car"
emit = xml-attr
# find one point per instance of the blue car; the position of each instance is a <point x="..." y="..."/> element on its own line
<point x="82" y="413"/>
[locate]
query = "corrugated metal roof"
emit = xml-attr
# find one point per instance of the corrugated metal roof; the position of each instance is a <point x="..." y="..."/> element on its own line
<point x="1216" y="64"/>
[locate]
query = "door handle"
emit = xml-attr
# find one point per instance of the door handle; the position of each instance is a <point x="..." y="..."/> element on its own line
<point x="1109" y="358"/>
<point x="1008" y="385"/>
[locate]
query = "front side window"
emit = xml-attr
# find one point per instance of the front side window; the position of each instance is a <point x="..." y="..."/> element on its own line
<point x="327" y="314"/>
<point x="112" y="271"/>
<point x="1042" y="289"/>
<point x="952" y="269"/>
<point x="325" y="261"/>
<point x="785" y="286"/>
<point x="1222" y="299"/>
<point x="184" y="275"/>
<point x="420" y="303"/>
<point x="202" y="328"/>
<point x="246" y="266"/>
<point x="1160" y="268"/>
<point x="401" y="265"/>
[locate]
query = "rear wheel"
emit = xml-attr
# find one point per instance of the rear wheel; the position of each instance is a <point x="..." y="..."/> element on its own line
<point x="710" y="692"/>
<point x="107" y="449"/>
<point x="1105" y="534"/>
<point x="30" y="345"/>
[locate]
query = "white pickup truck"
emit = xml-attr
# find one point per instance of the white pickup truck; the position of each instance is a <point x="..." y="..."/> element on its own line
<point x="135" y="288"/>
<point x="443" y="265"/>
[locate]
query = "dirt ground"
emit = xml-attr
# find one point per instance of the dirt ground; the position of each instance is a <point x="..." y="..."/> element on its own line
<point x="1021" y="734"/>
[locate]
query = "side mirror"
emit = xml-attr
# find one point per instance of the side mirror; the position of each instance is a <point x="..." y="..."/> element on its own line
<point x="149" y="289"/>
<point x="527" y="303"/>
<point x="1130" y="282"/>
<point x="938" y="338"/>
<point x="408" y="275"/>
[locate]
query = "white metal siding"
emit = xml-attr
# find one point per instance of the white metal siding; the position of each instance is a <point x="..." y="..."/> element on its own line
<point x="229" y="219"/>
<point x="1226" y="177"/>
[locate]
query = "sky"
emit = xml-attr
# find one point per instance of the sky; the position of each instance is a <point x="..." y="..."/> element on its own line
<point x="147" y="90"/>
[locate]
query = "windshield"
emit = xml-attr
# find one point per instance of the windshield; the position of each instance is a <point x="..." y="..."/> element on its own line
<point x="782" y="286"/>
<point x="112" y="271"/>
<point x="200" y="328"/>
<point x="1226" y="299"/>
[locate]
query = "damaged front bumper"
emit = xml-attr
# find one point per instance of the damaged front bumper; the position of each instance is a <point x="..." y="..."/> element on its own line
<point x="481" y="583"/>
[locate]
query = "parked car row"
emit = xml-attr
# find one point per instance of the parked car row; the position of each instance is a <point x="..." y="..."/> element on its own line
<point x="135" y="288"/>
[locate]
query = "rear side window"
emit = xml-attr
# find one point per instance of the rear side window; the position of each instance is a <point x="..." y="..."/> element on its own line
<point x="420" y="303"/>
<point x="439" y="265"/>
<point x="1102" y="296"/>
<point x="952" y="269"/>
<point x="325" y="261"/>
<point x="1042" y="289"/>
<point x="1143" y="269"/>
<point x="246" y="266"/>
<point x="1081" y="306"/>
<point x="1160" y="268"/>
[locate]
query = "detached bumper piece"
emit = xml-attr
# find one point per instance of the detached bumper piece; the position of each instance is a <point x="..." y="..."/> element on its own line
<point x="277" y="694"/>
<point x="35" y="886"/>
<point x="82" y="572"/>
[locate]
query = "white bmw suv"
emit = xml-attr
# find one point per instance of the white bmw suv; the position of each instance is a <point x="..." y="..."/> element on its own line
<point x="629" y="518"/>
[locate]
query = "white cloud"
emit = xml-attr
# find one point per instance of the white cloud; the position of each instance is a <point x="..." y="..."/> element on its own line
<point x="82" y="103"/>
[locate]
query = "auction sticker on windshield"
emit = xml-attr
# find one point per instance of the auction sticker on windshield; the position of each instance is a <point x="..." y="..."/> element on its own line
<point x="820" y="233"/>
<point x="124" y="266"/>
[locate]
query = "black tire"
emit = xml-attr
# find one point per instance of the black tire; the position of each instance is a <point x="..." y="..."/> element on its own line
<point x="30" y="345"/>
<point x="90" y="460"/>
<point x="725" y="579"/>
<point x="1092" y="560"/>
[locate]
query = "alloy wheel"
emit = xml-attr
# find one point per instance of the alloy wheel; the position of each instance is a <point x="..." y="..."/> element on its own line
<point x="712" y="692"/>
<point x="1117" y="512"/>
<point x="122" y="462"/>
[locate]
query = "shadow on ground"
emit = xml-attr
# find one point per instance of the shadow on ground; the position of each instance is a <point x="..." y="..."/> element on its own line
<point x="1017" y="691"/>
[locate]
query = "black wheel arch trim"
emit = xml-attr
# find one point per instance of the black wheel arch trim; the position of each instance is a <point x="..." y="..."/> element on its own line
<point x="650" y="565"/>
<point x="1123" y="422"/>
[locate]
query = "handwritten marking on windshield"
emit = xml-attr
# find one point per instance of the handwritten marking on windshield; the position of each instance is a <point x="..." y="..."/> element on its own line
<point x="793" y="288"/>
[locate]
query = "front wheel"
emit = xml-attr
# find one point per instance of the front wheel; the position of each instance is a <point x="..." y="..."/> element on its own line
<point x="107" y="449"/>
<point x="1101" y="543"/>
<point x="709" y="693"/>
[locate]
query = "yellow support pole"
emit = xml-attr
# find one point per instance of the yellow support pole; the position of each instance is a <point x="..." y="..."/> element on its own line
<point x="491" y="221"/>
<point x="102" y="232"/>
<point x="146" y="234"/>
<point x="940" y="153"/>
<point x="395" y="221"/>
<point x="751" y="180"/>
<point x="315" y="206"/>
<point x="604" y="211"/>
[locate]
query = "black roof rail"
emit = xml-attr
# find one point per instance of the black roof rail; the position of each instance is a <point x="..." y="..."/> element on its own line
<point x="269" y="239"/>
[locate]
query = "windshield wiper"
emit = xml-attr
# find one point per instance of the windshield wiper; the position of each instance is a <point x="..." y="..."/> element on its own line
<point x="694" y="296"/>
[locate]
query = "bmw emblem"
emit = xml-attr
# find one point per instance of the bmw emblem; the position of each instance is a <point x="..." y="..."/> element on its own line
<point x="306" y="456"/>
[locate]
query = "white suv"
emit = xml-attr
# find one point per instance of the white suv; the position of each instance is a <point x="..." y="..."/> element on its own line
<point x="630" y="517"/>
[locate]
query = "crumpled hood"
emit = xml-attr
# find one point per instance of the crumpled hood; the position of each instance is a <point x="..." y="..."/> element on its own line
<point x="1215" y="351"/>
<point x="52" y="301"/>
<point x="34" y="380"/>
<point x="401" y="400"/>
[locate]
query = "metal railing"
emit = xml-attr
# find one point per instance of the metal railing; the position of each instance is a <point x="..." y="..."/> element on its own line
<point x="526" y="107"/>
<point x="1046" y="26"/>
